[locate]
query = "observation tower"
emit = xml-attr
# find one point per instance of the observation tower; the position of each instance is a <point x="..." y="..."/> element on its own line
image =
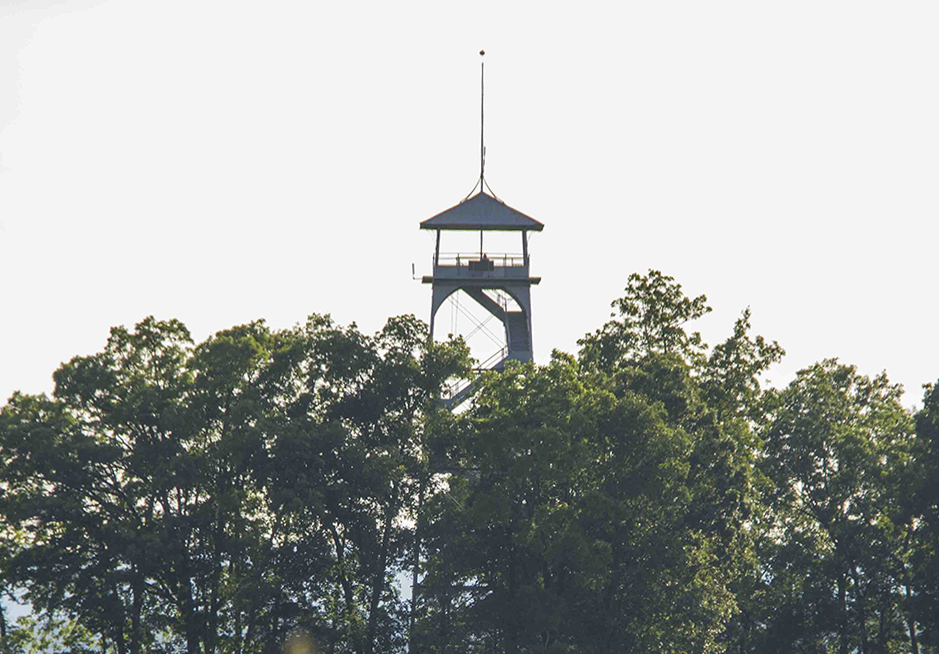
<point x="500" y="282"/>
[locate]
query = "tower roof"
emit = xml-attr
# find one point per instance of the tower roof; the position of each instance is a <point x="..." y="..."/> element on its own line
<point x="482" y="212"/>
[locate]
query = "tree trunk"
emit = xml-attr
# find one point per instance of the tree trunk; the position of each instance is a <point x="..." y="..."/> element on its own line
<point x="237" y="635"/>
<point x="118" y="618"/>
<point x="378" y="579"/>
<point x="843" y="609"/>
<point x="744" y="632"/>
<point x="911" y="623"/>
<point x="119" y="641"/>
<point x="345" y="583"/>
<point x="136" y="637"/>
<point x="193" y="643"/>
<point x="191" y="617"/>
<point x="511" y="633"/>
<point x="862" y="612"/>
<point x="883" y="622"/>
<point x="445" y="622"/>
<point x="416" y="566"/>
<point x="211" y="636"/>
<point x="249" y="631"/>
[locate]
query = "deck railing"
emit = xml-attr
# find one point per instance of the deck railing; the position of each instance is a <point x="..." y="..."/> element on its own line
<point x="472" y="259"/>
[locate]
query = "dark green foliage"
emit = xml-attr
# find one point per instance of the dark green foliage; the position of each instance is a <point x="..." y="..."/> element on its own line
<point x="838" y="449"/>
<point x="649" y="319"/>
<point x="211" y="498"/>
<point x="604" y="502"/>
<point x="923" y="561"/>
<point x="645" y="496"/>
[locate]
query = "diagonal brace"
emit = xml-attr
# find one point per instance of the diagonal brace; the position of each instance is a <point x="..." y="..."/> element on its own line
<point x="485" y="302"/>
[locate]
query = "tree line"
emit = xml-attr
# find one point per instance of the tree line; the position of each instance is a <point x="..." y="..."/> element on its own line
<point x="645" y="495"/>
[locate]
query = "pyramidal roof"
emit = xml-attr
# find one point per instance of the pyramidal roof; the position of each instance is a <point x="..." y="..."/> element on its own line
<point x="482" y="212"/>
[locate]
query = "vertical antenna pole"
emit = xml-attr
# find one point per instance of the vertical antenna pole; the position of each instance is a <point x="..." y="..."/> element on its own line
<point x="482" y="121"/>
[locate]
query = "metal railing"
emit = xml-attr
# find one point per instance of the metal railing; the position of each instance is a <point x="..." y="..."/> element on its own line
<point x="460" y="387"/>
<point x="498" y="259"/>
<point x="493" y="359"/>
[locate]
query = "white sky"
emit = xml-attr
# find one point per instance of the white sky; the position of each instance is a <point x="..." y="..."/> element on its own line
<point x="220" y="162"/>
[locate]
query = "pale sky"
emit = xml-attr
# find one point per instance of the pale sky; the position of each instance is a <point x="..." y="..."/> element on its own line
<point x="220" y="162"/>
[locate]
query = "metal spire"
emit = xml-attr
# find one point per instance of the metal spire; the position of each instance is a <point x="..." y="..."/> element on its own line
<point x="482" y="121"/>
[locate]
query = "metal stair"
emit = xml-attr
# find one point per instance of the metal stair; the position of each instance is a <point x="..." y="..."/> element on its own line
<point x="460" y="391"/>
<point x="516" y="327"/>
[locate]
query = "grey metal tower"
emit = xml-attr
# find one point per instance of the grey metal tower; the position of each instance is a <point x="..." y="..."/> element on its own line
<point x="487" y="277"/>
<point x="474" y="273"/>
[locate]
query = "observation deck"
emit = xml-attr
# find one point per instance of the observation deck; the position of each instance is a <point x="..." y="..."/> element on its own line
<point x="480" y="268"/>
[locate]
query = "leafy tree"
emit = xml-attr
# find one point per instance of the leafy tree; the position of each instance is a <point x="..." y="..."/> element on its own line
<point x="731" y="378"/>
<point x="648" y="495"/>
<point x="578" y="527"/>
<point x="80" y="479"/>
<point x="51" y="634"/>
<point x="923" y="564"/>
<point x="603" y="504"/>
<point x="506" y="549"/>
<point x="352" y="444"/>
<point x="731" y="389"/>
<point x="831" y="449"/>
<point x="58" y="493"/>
<point x="210" y="495"/>
<point x="715" y="402"/>
<point x="648" y="319"/>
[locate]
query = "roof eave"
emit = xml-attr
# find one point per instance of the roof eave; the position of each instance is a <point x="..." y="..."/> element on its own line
<point x="485" y="228"/>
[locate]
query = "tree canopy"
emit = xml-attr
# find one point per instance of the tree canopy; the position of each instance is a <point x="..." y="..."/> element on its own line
<point x="646" y="494"/>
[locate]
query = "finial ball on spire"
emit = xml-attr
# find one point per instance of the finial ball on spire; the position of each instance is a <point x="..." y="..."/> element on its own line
<point x="482" y="53"/>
